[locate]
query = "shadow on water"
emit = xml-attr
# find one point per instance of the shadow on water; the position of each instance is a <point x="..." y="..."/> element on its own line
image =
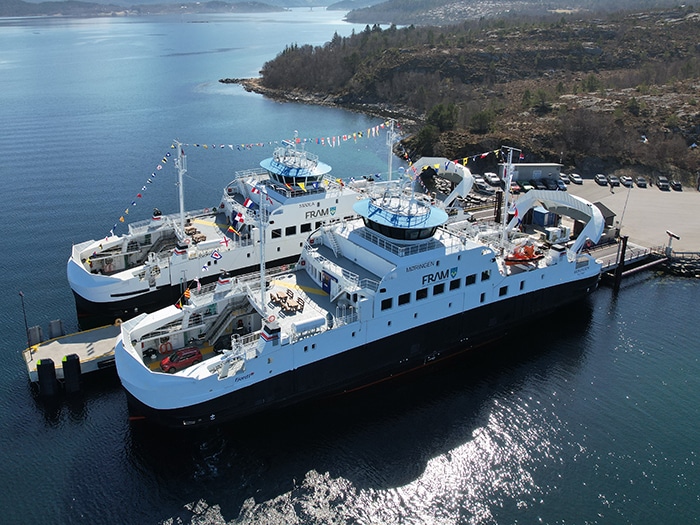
<point x="73" y="406"/>
<point x="379" y="438"/>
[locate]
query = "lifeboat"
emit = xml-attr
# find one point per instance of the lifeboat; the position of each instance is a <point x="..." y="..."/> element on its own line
<point x="524" y="254"/>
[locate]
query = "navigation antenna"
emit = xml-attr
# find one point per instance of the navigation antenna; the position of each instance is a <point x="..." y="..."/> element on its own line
<point x="507" y="177"/>
<point x="181" y="165"/>
<point x="390" y="136"/>
<point x="263" y="209"/>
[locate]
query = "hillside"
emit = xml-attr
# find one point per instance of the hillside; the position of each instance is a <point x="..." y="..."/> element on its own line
<point x="606" y="93"/>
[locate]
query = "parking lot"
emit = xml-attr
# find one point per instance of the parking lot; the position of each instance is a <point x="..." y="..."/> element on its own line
<point x="649" y="212"/>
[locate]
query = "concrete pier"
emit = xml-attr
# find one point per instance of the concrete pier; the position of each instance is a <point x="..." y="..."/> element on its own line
<point x="94" y="348"/>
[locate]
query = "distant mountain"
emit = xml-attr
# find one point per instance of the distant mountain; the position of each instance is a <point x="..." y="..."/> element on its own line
<point x="68" y="8"/>
<point x="350" y="5"/>
<point x="443" y="12"/>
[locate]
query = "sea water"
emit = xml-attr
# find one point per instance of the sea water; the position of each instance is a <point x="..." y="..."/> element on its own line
<point x="588" y="416"/>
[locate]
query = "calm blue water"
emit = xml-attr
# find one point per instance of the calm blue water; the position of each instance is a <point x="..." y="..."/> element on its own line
<point x="587" y="417"/>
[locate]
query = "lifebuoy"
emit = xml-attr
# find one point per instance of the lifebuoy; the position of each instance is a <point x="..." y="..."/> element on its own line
<point x="117" y="322"/>
<point x="303" y="262"/>
<point x="187" y="240"/>
<point x="206" y="210"/>
<point x="221" y="205"/>
<point x="165" y="348"/>
<point x="270" y="319"/>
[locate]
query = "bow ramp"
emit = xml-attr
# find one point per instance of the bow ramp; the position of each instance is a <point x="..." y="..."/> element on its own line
<point x="450" y="170"/>
<point x="563" y="203"/>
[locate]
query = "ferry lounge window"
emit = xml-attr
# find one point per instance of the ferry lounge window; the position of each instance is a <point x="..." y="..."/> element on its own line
<point x="404" y="298"/>
<point x="438" y="289"/>
<point x="305" y="228"/>
<point x="485" y="275"/>
<point x="386" y="303"/>
<point x="503" y="291"/>
<point x="421" y="294"/>
<point x="276" y="233"/>
<point x="290" y="230"/>
<point x="471" y="279"/>
<point x="455" y="284"/>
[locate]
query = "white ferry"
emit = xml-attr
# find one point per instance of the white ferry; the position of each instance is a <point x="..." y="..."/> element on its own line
<point x="395" y="290"/>
<point x="150" y="266"/>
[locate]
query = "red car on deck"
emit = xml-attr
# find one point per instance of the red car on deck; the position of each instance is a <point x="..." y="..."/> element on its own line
<point x="181" y="359"/>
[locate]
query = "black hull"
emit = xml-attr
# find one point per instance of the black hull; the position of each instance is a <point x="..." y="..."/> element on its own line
<point x="376" y="362"/>
<point x="93" y="315"/>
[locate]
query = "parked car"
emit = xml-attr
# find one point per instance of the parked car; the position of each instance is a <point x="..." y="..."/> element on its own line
<point x="601" y="179"/>
<point x="181" y="359"/>
<point x="550" y="183"/>
<point x="526" y="186"/>
<point x="483" y="188"/>
<point x="565" y="178"/>
<point x="514" y="187"/>
<point x="641" y="182"/>
<point x="576" y="178"/>
<point x="561" y="185"/>
<point x="613" y="180"/>
<point x="492" y="178"/>
<point x="626" y="181"/>
<point x="478" y="178"/>
<point x="538" y="184"/>
<point x="676" y="185"/>
<point x="662" y="183"/>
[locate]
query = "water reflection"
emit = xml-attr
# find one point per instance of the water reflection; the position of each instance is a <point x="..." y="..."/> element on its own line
<point x="457" y="444"/>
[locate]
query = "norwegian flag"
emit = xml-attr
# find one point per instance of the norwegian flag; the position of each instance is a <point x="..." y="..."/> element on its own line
<point x="247" y="203"/>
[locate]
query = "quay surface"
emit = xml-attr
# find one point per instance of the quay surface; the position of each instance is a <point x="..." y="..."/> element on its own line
<point x="94" y="348"/>
<point x="646" y="213"/>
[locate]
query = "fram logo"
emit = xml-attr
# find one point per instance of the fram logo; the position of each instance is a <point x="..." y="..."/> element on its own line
<point x="312" y="214"/>
<point x="440" y="276"/>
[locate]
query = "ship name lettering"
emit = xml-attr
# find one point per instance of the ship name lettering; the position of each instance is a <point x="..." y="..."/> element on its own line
<point x="243" y="378"/>
<point x="420" y="266"/>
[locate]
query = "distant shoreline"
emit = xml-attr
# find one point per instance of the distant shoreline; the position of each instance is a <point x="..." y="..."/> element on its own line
<point x="409" y="119"/>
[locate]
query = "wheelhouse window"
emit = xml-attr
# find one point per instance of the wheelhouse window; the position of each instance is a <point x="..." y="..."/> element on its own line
<point x="421" y="294"/>
<point x="290" y="230"/>
<point x="439" y="288"/>
<point x="471" y="279"/>
<point x="455" y="284"/>
<point x="485" y="275"/>
<point x="404" y="298"/>
<point x="400" y="234"/>
<point x="386" y="303"/>
<point x="276" y="233"/>
<point x="305" y="228"/>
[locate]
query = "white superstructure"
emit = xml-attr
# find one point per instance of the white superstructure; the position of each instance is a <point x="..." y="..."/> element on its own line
<point x="395" y="290"/>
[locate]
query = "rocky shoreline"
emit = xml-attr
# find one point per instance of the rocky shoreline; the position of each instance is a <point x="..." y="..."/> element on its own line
<point x="409" y="120"/>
